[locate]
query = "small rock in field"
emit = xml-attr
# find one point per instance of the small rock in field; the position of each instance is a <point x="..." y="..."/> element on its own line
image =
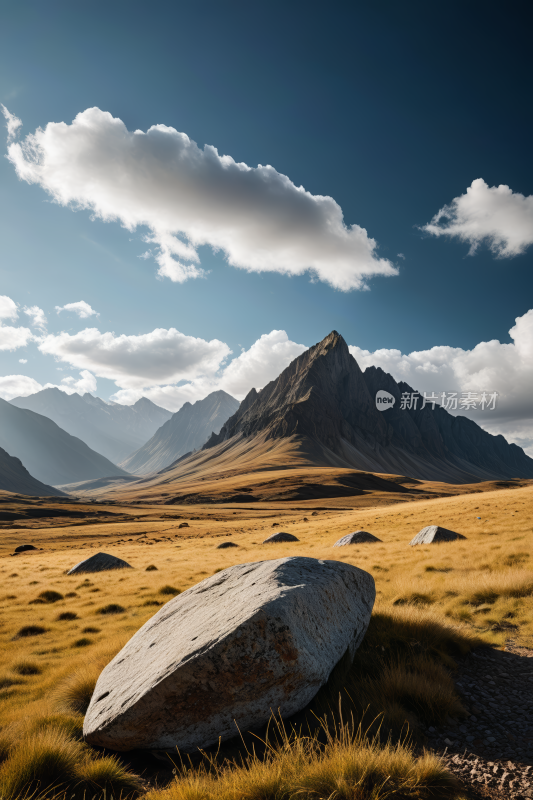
<point x="281" y="536"/>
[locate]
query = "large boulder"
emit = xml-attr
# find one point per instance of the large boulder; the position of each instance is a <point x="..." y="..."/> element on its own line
<point x="281" y="536"/>
<point x="358" y="537"/>
<point x="22" y="548"/>
<point x="434" y="534"/>
<point x="223" y="655"/>
<point x="100" y="562"/>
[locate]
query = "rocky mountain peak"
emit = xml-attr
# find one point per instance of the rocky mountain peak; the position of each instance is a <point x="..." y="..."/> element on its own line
<point x="321" y="394"/>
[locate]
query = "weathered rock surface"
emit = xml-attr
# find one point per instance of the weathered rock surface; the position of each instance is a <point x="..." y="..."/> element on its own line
<point x="23" y="547"/>
<point x="281" y="536"/>
<point x="434" y="534"/>
<point x="223" y="545"/>
<point x="246" y="642"/>
<point x="100" y="562"/>
<point x="358" y="537"/>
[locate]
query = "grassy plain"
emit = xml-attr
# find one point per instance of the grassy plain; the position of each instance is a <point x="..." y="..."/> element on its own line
<point x="58" y="631"/>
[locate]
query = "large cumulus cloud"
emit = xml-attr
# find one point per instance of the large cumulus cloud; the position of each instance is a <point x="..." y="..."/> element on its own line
<point x="492" y="214"/>
<point x="255" y="367"/>
<point x="159" y="357"/>
<point x="189" y="196"/>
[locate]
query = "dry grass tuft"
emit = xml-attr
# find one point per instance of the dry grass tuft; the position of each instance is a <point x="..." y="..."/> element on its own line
<point x="67" y="616"/>
<point x="27" y="667"/>
<point x="50" y="596"/>
<point x="111" y="608"/>
<point x="349" y="766"/>
<point x="50" y="762"/>
<point x="30" y="630"/>
<point x="169" y="590"/>
<point x="40" y="764"/>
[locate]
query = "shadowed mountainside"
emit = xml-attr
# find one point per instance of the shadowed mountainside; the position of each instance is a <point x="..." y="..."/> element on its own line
<point x="48" y="452"/>
<point x="111" y="429"/>
<point x="187" y="430"/>
<point x="323" y="395"/>
<point x="14" y="477"/>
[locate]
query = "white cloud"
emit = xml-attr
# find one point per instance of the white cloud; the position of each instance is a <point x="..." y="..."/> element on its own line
<point x="488" y="367"/>
<point x="21" y="385"/>
<point x="13" y="338"/>
<point x="8" y="308"/>
<point x="23" y="360"/>
<point x="81" y="308"/>
<point x="18" y="386"/>
<point x="495" y="215"/>
<point x="37" y="316"/>
<point x="188" y="197"/>
<point x="85" y="383"/>
<point x="160" y="357"/>
<point x="263" y="362"/>
<point x="255" y="367"/>
<point x="13" y="123"/>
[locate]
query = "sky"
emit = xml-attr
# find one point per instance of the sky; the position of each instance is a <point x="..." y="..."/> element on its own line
<point x="192" y="194"/>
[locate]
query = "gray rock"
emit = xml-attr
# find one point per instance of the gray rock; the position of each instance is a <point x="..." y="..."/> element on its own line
<point x="434" y="534"/>
<point x="358" y="537"/>
<point x="223" y="545"/>
<point x="281" y="536"/>
<point x="100" y="562"/>
<point x="251" y="640"/>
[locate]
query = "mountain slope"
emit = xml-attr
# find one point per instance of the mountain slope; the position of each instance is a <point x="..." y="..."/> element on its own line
<point x="324" y="395"/>
<point x="186" y="430"/>
<point x="111" y="429"/>
<point x="48" y="452"/>
<point x="14" y="477"/>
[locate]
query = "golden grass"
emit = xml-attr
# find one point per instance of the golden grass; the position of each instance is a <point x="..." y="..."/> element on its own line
<point x="433" y="602"/>
<point x="50" y="761"/>
<point x="349" y="766"/>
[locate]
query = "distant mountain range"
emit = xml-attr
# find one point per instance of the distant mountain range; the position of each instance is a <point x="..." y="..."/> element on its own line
<point x="188" y="429"/>
<point x="320" y="412"/>
<point x="324" y="397"/>
<point x="14" y="477"/>
<point x="49" y="453"/>
<point x="111" y="429"/>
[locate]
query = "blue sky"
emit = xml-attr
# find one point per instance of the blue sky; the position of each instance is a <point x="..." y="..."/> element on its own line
<point x="391" y="110"/>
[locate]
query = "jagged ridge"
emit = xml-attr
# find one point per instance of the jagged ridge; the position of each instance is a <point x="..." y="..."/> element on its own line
<point x="324" y="395"/>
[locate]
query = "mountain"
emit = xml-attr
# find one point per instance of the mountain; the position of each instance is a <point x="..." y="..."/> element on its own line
<point x="111" y="429"/>
<point x="324" y="397"/>
<point x="14" y="477"/>
<point x="188" y="429"/>
<point x="49" y="453"/>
